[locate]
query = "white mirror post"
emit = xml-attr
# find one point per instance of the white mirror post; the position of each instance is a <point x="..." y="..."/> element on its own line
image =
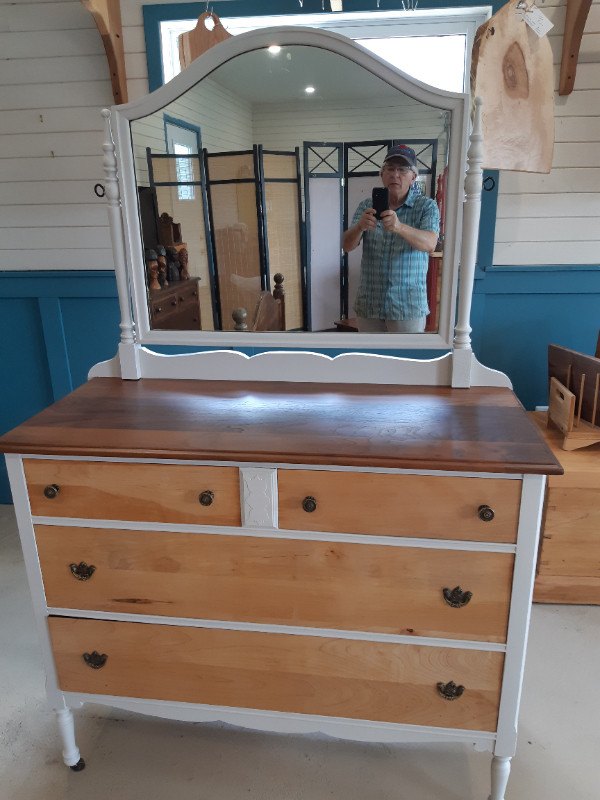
<point x="461" y="350"/>
<point x="128" y="362"/>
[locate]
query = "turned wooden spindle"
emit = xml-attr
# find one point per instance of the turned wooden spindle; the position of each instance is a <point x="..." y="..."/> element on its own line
<point x="279" y="294"/>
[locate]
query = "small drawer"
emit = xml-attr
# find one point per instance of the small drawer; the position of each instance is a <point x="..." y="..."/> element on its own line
<point x="399" y="505"/>
<point x="175" y="493"/>
<point x="396" y="590"/>
<point x="279" y="672"/>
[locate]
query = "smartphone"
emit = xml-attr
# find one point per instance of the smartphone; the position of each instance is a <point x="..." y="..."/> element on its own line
<point x="381" y="200"/>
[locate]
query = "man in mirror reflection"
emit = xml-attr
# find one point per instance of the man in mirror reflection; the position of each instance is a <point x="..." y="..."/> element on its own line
<point x="392" y="290"/>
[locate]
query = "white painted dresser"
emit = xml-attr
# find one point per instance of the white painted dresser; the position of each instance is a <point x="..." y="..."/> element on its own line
<point x="350" y="559"/>
<point x="288" y="541"/>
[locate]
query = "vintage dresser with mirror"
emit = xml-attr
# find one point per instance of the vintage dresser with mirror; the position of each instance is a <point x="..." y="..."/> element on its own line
<point x="286" y="541"/>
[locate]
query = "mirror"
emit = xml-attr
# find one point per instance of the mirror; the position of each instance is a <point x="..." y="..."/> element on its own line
<point x="247" y="170"/>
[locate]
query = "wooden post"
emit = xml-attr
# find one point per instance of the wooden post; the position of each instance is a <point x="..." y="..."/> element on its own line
<point x="107" y="16"/>
<point x="577" y="14"/>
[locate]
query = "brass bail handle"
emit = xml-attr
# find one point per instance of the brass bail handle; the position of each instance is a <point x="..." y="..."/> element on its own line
<point x="450" y="691"/>
<point x="81" y="571"/>
<point x="95" y="660"/>
<point x="456" y="597"/>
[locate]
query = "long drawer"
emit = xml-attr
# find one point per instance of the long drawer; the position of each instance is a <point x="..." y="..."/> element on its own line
<point x="347" y="586"/>
<point x="399" y="505"/>
<point x="298" y="674"/>
<point x="178" y="493"/>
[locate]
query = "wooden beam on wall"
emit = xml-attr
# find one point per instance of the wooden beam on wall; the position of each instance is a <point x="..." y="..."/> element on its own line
<point x="107" y="15"/>
<point x="577" y="14"/>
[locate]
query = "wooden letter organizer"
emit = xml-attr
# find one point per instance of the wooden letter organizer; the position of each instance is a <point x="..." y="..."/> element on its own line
<point x="574" y="391"/>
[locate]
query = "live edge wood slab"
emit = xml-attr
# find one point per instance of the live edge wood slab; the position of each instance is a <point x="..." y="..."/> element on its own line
<point x="481" y="429"/>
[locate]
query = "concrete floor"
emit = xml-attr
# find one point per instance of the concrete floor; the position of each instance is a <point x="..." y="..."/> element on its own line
<point x="132" y="757"/>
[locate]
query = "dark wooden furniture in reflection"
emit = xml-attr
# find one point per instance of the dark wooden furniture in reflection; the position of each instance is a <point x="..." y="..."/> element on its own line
<point x="433" y="291"/>
<point x="347" y="325"/>
<point x="269" y="312"/>
<point x="175" y="307"/>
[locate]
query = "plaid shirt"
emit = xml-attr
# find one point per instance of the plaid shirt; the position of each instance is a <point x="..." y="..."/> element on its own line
<point x="392" y="274"/>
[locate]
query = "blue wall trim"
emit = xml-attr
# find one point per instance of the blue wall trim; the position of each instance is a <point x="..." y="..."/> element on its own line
<point x="54" y="326"/>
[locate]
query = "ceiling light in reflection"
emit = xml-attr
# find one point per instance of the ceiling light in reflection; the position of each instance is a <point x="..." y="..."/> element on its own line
<point x="310" y="90"/>
<point x="274" y="49"/>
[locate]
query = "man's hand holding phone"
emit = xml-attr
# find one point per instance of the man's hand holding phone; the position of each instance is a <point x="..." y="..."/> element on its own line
<point x="381" y="200"/>
<point x="368" y="220"/>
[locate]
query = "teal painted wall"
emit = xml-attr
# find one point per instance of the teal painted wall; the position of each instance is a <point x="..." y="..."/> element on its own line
<point x="54" y="326"/>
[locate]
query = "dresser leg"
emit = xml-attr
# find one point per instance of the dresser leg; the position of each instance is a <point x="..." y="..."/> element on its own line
<point x="500" y="773"/>
<point x="70" y="752"/>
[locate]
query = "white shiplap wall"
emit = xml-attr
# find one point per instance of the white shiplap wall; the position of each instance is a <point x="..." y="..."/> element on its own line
<point x="54" y="80"/>
<point x="229" y="126"/>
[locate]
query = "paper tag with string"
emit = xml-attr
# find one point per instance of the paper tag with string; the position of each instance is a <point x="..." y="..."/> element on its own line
<point x="537" y="21"/>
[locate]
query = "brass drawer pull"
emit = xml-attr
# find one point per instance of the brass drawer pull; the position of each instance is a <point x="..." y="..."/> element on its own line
<point x="456" y="597"/>
<point x="81" y="571"/>
<point x="51" y="491"/>
<point x="309" y="504"/>
<point x="95" y="660"/>
<point x="485" y="513"/>
<point x="450" y="691"/>
<point x="206" y="498"/>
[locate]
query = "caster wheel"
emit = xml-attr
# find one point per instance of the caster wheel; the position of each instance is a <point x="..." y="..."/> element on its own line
<point x="78" y="766"/>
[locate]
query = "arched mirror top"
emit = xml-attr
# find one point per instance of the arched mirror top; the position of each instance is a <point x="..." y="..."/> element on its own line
<point x="224" y="168"/>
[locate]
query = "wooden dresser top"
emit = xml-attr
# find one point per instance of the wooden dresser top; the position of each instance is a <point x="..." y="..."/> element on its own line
<point x="482" y="429"/>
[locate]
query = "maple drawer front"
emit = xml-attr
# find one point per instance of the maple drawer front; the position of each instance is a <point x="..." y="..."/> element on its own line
<point x="177" y="493"/>
<point x="399" y="505"/>
<point x="279" y="672"/>
<point x="395" y="590"/>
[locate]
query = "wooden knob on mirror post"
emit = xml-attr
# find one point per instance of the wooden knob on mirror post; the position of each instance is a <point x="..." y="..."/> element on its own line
<point x="239" y="317"/>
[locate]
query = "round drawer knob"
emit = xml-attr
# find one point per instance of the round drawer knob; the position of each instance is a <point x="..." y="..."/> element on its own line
<point x="206" y="498"/>
<point x="309" y="504"/>
<point x="51" y="491"/>
<point x="485" y="513"/>
<point x="450" y="691"/>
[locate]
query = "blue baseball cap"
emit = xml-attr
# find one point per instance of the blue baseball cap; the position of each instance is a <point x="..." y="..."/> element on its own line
<point x="405" y="153"/>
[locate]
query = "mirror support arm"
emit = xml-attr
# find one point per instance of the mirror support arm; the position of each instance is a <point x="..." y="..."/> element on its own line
<point x="128" y="350"/>
<point x="462" y="353"/>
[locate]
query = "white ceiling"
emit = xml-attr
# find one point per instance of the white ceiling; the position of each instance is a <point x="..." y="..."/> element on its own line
<point x="261" y="77"/>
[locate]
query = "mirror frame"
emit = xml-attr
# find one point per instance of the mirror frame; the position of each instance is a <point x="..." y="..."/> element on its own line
<point x="127" y="238"/>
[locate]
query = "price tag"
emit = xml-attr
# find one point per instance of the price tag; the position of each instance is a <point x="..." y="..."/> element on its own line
<point x="538" y="22"/>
